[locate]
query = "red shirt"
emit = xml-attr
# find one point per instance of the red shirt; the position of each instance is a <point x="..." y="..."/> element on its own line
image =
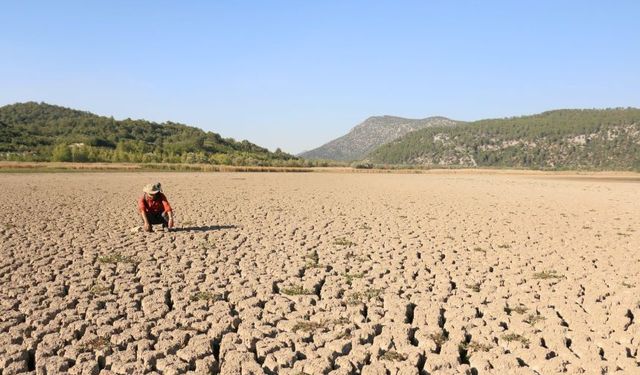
<point x="153" y="206"/>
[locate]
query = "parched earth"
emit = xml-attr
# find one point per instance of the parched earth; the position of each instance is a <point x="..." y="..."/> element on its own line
<point x="320" y="273"/>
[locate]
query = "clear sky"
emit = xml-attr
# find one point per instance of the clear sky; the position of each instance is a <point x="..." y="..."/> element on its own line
<point x="295" y="74"/>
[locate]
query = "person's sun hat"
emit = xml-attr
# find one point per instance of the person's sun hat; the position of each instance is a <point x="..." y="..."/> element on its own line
<point x="152" y="188"/>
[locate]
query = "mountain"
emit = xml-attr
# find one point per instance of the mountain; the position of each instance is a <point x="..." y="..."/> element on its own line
<point x="560" y="139"/>
<point x="40" y="131"/>
<point x="373" y="132"/>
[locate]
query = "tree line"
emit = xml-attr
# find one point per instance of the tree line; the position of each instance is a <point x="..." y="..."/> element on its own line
<point x="42" y="132"/>
<point x="560" y="139"/>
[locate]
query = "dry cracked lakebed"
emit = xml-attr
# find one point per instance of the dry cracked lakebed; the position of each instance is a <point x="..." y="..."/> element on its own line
<point x="320" y="273"/>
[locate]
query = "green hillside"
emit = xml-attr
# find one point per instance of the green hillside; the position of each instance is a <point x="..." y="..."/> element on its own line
<point x="42" y="132"/>
<point x="562" y="139"/>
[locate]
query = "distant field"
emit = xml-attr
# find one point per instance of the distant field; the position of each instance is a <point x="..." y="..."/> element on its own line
<point x="317" y="273"/>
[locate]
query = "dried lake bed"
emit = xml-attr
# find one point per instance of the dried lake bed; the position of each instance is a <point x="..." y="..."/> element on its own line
<point x="318" y="273"/>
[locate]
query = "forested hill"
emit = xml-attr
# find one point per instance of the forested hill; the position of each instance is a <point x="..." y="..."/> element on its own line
<point x="561" y="139"/>
<point x="39" y="131"/>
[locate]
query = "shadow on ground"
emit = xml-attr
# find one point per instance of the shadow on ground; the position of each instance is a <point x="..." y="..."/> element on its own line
<point x="205" y="228"/>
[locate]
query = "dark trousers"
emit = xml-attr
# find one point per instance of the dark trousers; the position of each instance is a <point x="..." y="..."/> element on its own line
<point x="158" y="218"/>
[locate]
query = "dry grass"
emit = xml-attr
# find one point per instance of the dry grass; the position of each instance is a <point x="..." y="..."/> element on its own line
<point x="307" y="326"/>
<point x="394" y="356"/>
<point x="532" y="319"/>
<point x="341" y="241"/>
<point x="475" y="287"/>
<point x="96" y="344"/>
<point x="351" y="276"/>
<point x="545" y="275"/>
<point x="439" y="338"/>
<point x="362" y="297"/>
<point x="475" y="346"/>
<point x="206" y="296"/>
<point x="297" y="290"/>
<point x="511" y="337"/>
<point x="100" y="290"/>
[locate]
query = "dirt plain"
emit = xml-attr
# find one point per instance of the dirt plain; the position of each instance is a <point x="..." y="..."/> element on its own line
<point x="320" y="273"/>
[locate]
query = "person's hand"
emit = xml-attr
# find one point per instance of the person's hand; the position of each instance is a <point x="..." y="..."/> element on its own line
<point x="171" y="223"/>
<point x="147" y="227"/>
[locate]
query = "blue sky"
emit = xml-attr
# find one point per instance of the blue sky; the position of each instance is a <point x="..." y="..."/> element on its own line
<point x="295" y="74"/>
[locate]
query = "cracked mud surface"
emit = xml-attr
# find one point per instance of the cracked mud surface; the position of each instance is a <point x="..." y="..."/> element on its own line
<point x="320" y="273"/>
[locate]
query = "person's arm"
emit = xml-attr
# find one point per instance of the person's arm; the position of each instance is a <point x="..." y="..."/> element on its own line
<point x="146" y="226"/>
<point x="170" y="215"/>
<point x="143" y="213"/>
<point x="168" y="210"/>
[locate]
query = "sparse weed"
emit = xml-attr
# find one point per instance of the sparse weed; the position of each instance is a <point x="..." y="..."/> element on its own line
<point x="116" y="258"/>
<point x="362" y="297"/>
<point x="510" y="337"/>
<point x="532" y="319"/>
<point x="344" y="335"/>
<point x="627" y="285"/>
<point x="394" y="356"/>
<point x="341" y="321"/>
<point x="97" y="343"/>
<point x="297" y="290"/>
<point x="351" y="276"/>
<point x="307" y="326"/>
<point x="439" y="338"/>
<point x="475" y="346"/>
<point x="312" y="260"/>
<point x="544" y="275"/>
<point x="206" y="296"/>
<point x="480" y="250"/>
<point x="520" y="309"/>
<point x="475" y="287"/>
<point x="364" y="226"/>
<point x="504" y="246"/>
<point x="341" y="241"/>
<point x="100" y="290"/>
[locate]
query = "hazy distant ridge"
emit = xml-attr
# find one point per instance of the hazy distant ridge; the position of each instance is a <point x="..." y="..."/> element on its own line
<point x="370" y="134"/>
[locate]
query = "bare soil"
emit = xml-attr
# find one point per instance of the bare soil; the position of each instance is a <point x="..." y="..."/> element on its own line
<point x="320" y="273"/>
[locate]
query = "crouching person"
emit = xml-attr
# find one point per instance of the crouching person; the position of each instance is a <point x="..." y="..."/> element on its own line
<point x="154" y="208"/>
